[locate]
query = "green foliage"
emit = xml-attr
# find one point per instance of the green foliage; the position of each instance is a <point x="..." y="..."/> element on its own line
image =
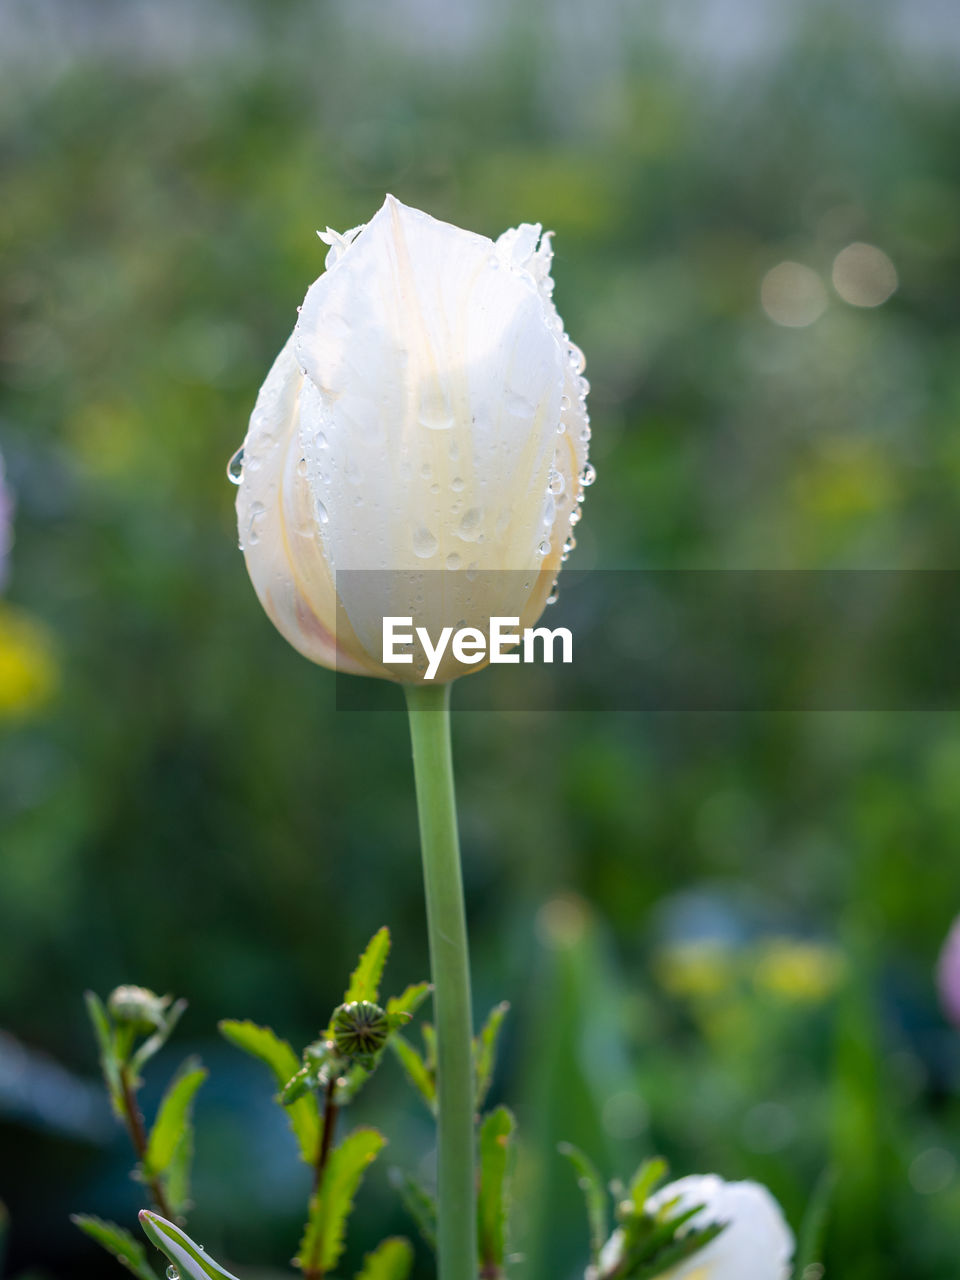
<point x="109" y="1061"/>
<point x="814" y="1226"/>
<point x="129" y="1252"/>
<point x="365" y="979"/>
<point x="648" y="1243"/>
<point x="420" y="1073"/>
<point x="191" y="1261"/>
<point x="332" y="1203"/>
<point x="173" y="1127"/>
<point x="419" y="1203"/>
<point x="410" y="1000"/>
<point x="391" y="1260"/>
<point x="595" y="1195"/>
<point x="485" y="1050"/>
<point x="495" y="1155"/>
<point x="264" y="1044"/>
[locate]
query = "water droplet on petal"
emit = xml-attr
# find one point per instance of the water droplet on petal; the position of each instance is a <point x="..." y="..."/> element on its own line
<point x="235" y="467"/>
<point x="322" y="513"/>
<point x="576" y="515"/>
<point x="253" y="533"/>
<point x="302" y="467"/>
<point x="543" y="548"/>
<point x="172" y="1272"/>
<point x="588" y="475"/>
<point x="320" y="440"/>
<point x="456" y="484"/>
<point x="556" y="484"/>
<point x="424" y="543"/>
<point x="453" y="560"/>
<point x="469" y="527"/>
<point x="552" y="598"/>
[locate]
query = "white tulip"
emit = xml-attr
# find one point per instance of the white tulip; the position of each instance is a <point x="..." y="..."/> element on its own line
<point x="756" y="1243"/>
<point x="427" y="413"/>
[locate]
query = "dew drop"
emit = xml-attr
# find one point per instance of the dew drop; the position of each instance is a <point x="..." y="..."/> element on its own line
<point x="453" y="560"/>
<point x="469" y="527"/>
<point x="172" y="1272"/>
<point x="556" y="484"/>
<point x="302" y="467"/>
<point x="569" y="545"/>
<point x="552" y="598"/>
<point x="585" y="434"/>
<point x="549" y="511"/>
<point x="434" y="488"/>
<point x="320" y="440"/>
<point x="253" y="533"/>
<point x="424" y="543"/>
<point x="561" y="427"/>
<point x="564" y="403"/>
<point x="322" y="513"/>
<point x="576" y="515"/>
<point x="235" y="467"/>
<point x="588" y="475"/>
<point x="543" y="547"/>
<point x="456" y="484"/>
<point x="578" y="361"/>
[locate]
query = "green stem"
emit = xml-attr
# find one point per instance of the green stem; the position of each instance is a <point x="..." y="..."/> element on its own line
<point x="429" y="710"/>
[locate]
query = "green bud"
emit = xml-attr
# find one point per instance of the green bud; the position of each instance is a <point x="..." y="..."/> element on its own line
<point x="360" y="1029"/>
<point x="137" y="1008"/>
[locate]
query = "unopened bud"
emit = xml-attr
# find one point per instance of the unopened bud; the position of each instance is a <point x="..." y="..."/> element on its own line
<point x="138" y="1008"/>
<point x="360" y="1029"/>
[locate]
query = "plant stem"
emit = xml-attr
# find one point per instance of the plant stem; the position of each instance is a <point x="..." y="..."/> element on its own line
<point x="429" y="710"/>
<point x="314" y="1271"/>
<point x="138" y="1136"/>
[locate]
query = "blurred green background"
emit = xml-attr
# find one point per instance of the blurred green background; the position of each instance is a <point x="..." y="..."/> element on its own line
<point x="718" y="933"/>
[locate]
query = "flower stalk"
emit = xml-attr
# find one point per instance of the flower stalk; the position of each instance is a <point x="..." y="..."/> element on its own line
<point x="428" y="707"/>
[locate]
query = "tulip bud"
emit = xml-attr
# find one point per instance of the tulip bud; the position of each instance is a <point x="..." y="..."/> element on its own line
<point x="755" y="1242"/>
<point x="427" y="414"/>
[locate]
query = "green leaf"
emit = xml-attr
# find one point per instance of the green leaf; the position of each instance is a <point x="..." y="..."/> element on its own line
<point x="814" y="1225"/>
<point x="330" y="1206"/>
<point x="129" y="1252"/>
<point x="485" y="1050"/>
<point x="594" y="1193"/>
<point x="416" y="1070"/>
<point x="159" y="1038"/>
<point x="190" y="1260"/>
<point x="173" y="1118"/>
<point x="365" y="979"/>
<point x="391" y="1260"/>
<point x="496" y="1134"/>
<point x="409" y="1001"/>
<point x="673" y="1254"/>
<point x="266" y="1045"/>
<point x="419" y="1203"/>
<point x="109" y="1062"/>
<point x="649" y="1176"/>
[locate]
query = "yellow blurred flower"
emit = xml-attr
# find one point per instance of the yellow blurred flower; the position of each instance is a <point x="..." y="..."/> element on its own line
<point x="693" y="969"/>
<point x="29" y="672"/>
<point x="805" y="972"/>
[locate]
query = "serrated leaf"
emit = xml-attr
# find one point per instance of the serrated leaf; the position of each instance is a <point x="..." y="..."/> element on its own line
<point x="172" y="1124"/>
<point x="485" y="1051"/>
<point x="391" y="1260"/>
<point x="410" y="1000"/>
<point x="419" y="1203"/>
<point x="670" y="1257"/>
<point x="496" y="1134"/>
<point x="109" y="1063"/>
<point x="331" y="1204"/>
<point x="591" y="1184"/>
<point x="267" y="1046"/>
<point x="192" y="1262"/>
<point x="154" y="1043"/>
<point x="416" y="1070"/>
<point x="365" y="979"/>
<point x="129" y="1252"/>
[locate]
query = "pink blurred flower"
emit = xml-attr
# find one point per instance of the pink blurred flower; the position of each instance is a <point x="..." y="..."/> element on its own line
<point x="6" y="524"/>
<point x="948" y="974"/>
